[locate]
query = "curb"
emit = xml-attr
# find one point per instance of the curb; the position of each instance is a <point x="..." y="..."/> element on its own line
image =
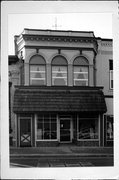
<point x="59" y="155"/>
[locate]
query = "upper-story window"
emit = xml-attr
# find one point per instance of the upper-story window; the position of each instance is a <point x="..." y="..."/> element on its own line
<point x="37" y="70"/>
<point x="111" y="73"/>
<point x="59" y="71"/>
<point x="81" y="67"/>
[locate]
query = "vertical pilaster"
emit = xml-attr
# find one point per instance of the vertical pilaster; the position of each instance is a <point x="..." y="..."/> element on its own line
<point x="91" y="75"/>
<point x="48" y="74"/>
<point x="70" y="75"/>
<point x="26" y="73"/>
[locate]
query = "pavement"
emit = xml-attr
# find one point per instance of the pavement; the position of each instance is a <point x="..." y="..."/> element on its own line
<point x="61" y="151"/>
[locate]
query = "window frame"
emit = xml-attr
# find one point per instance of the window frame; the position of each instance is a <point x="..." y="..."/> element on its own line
<point x="93" y="139"/>
<point x="106" y="117"/>
<point x="43" y="127"/>
<point x="40" y="64"/>
<point x="111" y="79"/>
<point x="82" y="80"/>
<point x="59" y="65"/>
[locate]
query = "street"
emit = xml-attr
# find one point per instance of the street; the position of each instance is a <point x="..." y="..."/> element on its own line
<point x="58" y="162"/>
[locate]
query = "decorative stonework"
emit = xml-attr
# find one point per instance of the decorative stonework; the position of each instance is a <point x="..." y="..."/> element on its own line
<point x="106" y="44"/>
<point x="59" y="39"/>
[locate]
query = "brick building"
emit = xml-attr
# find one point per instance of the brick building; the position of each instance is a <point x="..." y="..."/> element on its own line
<point x="61" y="89"/>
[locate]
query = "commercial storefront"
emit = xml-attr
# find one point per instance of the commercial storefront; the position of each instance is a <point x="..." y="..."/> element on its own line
<point x="49" y="116"/>
<point x="62" y="89"/>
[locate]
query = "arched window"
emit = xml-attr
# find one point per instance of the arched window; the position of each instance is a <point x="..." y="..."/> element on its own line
<point x="37" y="70"/>
<point x="59" y="71"/>
<point x="81" y="67"/>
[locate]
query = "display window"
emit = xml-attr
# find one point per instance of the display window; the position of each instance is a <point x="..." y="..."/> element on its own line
<point x="88" y="128"/>
<point x="109" y="127"/>
<point x="46" y="127"/>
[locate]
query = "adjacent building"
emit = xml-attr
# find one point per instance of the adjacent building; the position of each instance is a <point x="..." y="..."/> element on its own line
<point x="61" y="89"/>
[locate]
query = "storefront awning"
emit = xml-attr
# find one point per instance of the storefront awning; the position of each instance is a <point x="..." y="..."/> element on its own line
<point x="56" y="99"/>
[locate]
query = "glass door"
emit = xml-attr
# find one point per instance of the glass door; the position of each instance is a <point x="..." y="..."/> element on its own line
<point x="65" y="130"/>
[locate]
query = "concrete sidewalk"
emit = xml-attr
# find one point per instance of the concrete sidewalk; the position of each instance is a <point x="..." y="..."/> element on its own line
<point x="61" y="151"/>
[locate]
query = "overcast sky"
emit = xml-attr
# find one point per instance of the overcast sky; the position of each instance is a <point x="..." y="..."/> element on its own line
<point x="100" y="23"/>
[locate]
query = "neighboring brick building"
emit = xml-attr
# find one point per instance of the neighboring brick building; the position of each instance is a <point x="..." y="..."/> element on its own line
<point x="64" y="89"/>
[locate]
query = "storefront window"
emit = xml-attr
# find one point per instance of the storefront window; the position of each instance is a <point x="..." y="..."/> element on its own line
<point x="88" y="128"/>
<point x="109" y="127"/>
<point x="46" y="127"/>
<point x="59" y="71"/>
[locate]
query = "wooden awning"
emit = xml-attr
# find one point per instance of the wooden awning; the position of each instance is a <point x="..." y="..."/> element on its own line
<point x="58" y="99"/>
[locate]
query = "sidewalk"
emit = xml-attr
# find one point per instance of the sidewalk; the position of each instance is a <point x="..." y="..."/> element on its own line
<point x="61" y="151"/>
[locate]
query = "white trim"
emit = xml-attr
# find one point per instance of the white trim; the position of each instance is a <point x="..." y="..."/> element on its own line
<point x="37" y="78"/>
<point x="35" y="119"/>
<point x="58" y="128"/>
<point x="59" y="77"/>
<point x="99" y="133"/>
<point x="37" y="72"/>
<point x="80" y="79"/>
<point x="45" y="140"/>
<point x="71" y="128"/>
<point x="76" y="72"/>
<point x="103" y="131"/>
<point x="64" y="72"/>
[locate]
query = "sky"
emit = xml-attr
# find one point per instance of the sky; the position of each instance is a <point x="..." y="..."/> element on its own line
<point x="99" y="23"/>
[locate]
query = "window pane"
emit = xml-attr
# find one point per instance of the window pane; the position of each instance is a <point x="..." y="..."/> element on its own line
<point x="53" y="135"/>
<point x="110" y="64"/>
<point x="37" y="75"/>
<point x="88" y="128"/>
<point x="40" y="127"/>
<point x="59" y="75"/>
<point x="53" y="126"/>
<point x="80" y="76"/>
<point x="47" y="135"/>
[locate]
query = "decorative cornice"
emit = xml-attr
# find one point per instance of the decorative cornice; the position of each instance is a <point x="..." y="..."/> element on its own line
<point x="59" y="38"/>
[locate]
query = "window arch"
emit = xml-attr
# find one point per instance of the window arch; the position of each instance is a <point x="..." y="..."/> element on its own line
<point x="81" y="71"/>
<point x="37" y="70"/>
<point x="59" y="71"/>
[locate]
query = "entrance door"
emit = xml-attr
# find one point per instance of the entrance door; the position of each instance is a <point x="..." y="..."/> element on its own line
<point x="25" y="132"/>
<point x="65" y="135"/>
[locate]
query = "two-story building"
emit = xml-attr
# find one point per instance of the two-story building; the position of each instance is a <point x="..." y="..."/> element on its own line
<point x="64" y="89"/>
